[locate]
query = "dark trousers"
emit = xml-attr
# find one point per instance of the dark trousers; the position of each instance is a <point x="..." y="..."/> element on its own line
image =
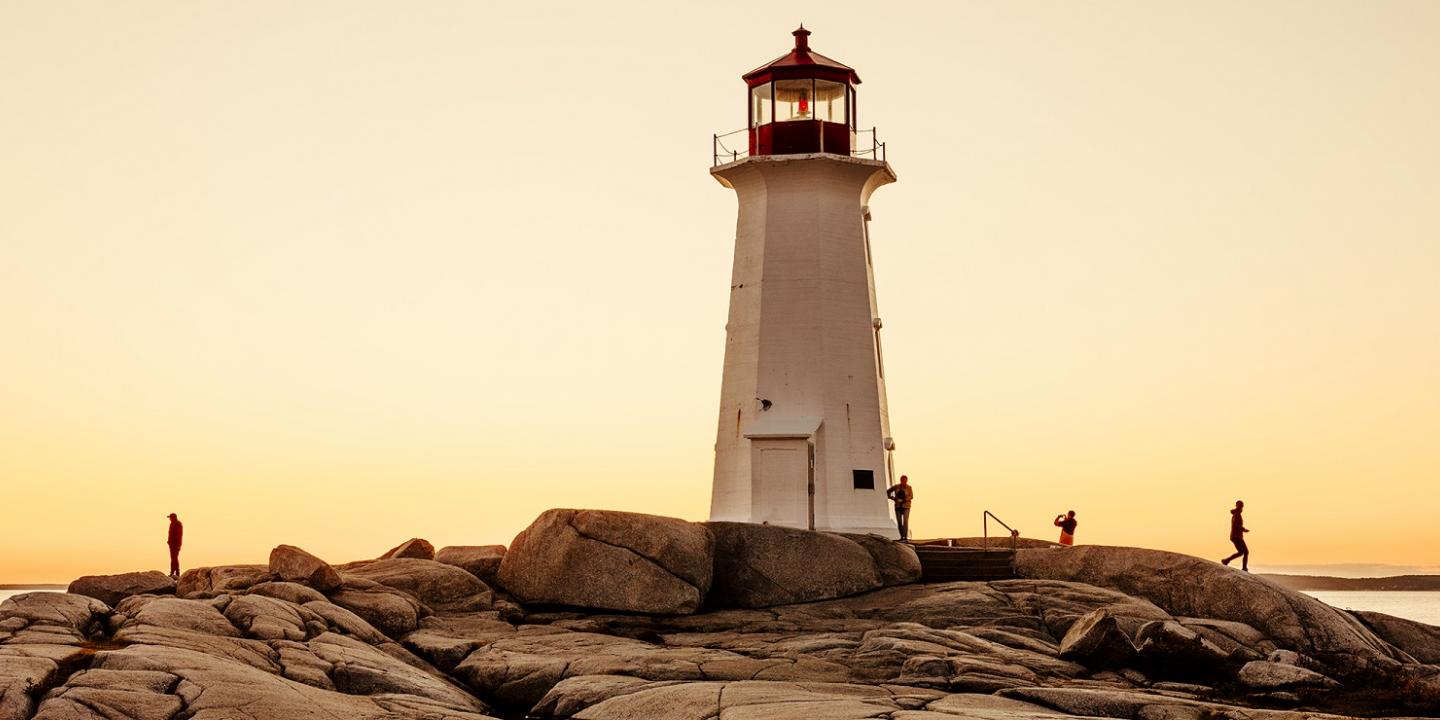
<point x="902" y="519"/>
<point x="174" y="560"/>
<point x="1241" y="551"/>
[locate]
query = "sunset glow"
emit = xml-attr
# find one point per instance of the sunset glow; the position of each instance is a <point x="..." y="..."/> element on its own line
<point x="338" y="274"/>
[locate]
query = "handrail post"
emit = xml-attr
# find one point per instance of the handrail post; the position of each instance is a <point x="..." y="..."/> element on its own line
<point x="714" y="149"/>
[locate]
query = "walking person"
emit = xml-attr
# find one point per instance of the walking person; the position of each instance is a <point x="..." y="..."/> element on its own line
<point x="1237" y="536"/>
<point x="175" y="537"/>
<point x="902" y="495"/>
<point x="1067" y="524"/>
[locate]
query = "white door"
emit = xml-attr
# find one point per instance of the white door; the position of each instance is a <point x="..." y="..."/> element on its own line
<point x="781" y="481"/>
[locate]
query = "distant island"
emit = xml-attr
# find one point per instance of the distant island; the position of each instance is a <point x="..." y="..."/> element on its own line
<point x="1320" y="582"/>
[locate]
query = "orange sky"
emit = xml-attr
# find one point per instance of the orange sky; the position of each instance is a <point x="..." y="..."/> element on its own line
<point x="341" y="273"/>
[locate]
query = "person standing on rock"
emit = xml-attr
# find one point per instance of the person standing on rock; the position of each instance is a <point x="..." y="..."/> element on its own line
<point x="1237" y="536"/>
<point x="175" y="537"/>
<point x="1067" y="524"/>
<point x="902" y="495"/>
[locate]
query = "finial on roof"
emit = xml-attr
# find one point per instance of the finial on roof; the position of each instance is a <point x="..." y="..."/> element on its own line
<point x="802" y="38"/>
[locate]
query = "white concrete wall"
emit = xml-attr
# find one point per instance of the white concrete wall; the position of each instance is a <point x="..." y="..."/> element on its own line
<point x="801" y="335"/>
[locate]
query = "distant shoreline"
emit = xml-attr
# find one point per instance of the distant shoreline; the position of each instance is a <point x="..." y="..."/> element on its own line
<point x="31" y="586"/>
<point x="1407" y="583"/>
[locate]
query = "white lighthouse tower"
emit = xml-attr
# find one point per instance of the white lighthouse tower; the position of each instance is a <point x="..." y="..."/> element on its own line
<point x="804" y="432"/>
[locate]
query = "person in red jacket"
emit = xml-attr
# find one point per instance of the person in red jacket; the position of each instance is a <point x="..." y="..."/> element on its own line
<point x="176" y="536"/>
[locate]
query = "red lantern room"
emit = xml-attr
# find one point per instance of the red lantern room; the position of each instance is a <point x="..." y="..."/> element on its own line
<point x="802" y="102"/>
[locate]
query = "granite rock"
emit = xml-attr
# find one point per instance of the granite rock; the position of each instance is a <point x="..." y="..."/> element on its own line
<point x="1097" y="641"/>
<point x="482" y="561"/>
<point x="437" y="585"/>
<point x="610" y="560"/>
<point x="417" y="548"/>
<point x="111" y="589"/>
<point x="764" y="565"/>
<point x="291" y="564"/>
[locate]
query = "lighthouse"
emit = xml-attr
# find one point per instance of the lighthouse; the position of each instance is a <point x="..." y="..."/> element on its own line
<point x="803" y="438"/>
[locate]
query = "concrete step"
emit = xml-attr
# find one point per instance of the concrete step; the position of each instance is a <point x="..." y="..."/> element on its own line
<point x="947" y="564"/>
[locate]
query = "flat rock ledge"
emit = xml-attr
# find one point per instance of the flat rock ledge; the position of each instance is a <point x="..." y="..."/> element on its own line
<point x="1086" y="633"/>
<point x="111" y="589"/>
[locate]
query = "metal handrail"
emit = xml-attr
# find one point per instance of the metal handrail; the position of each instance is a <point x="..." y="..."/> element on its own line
<point x="716" y="146"/>
<point x="877" y="148"/>
<point x="876" y="151"/>
<point x="985" y="522"/>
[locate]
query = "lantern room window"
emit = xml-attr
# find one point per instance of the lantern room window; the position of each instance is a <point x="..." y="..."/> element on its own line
<point x="787" y="100"/>
<point x="794" y="100"/>
<point x="830" y="101"/>
<point x="760" y="105"/>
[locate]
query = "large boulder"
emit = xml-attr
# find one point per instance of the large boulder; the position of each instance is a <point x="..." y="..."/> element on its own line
<point x="418" y="548"/>
<point x="1188" y="586"/>
<point x="221" y="579"/>
<point x="391" y="611"/>
<point x="1421" y="641"/>
<point x="111" y="589"/>
<point x="610" y="560"/>
<point x="440" y="586"/>
<point x="1265" y="675"/>
<point x="764" y="565"/>
<point x="64" y="618"/>
<point x="1096" y="641"/>
<point x="292" y="564"/>
<point x="1170" y="649"/>
<point x="482" y="561"/>
<point x="897" y="562"/>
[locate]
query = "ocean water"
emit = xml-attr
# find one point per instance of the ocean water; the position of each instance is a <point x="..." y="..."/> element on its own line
<point x="1419" y="606"/>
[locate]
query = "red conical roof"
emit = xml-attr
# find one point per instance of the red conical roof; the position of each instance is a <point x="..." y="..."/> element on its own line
<point x="801" y="62"/>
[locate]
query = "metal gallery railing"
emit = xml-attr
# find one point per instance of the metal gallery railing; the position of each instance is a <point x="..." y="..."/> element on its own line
<point x="721" y="150"/>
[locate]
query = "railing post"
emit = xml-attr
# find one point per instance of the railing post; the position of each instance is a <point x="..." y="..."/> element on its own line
<point x="714" y="149"/>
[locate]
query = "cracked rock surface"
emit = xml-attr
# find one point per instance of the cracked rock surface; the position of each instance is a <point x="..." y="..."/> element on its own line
<point x="1083" y="635"/>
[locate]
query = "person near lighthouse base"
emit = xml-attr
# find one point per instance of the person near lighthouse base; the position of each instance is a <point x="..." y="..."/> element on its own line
<point x="902" y="494"/>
